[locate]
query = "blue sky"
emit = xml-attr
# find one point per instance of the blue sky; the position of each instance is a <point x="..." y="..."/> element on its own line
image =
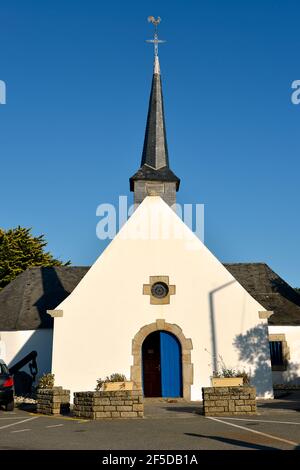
<point x="78" y="77"/>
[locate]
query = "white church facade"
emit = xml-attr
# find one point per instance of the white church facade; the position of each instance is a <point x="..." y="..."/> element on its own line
<point x="157" y="305"/>
<point x="141" y="286"/>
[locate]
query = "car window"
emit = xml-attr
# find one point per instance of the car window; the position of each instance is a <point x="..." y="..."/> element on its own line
<point x="3" y="369"/>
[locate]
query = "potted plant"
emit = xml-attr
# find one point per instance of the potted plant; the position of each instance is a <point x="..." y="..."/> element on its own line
<point x="229" y="378"/>
<point x="114" y="382"/>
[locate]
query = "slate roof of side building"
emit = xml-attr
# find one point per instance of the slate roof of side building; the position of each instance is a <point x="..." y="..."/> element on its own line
<point x="24" y="302"/>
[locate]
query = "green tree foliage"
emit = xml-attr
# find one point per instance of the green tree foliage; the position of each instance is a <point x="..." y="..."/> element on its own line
<point x="19" y="250"/>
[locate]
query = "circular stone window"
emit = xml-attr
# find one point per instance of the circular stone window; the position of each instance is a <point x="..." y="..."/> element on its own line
<point x="159" y="290"/>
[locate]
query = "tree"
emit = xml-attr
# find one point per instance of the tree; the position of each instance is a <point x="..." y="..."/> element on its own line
<point x="19" y="250"/>
<point x="297" y="289"/>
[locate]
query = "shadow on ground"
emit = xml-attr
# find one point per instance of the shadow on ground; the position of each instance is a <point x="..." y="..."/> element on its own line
<point x="185" y="409"/>
<point x="234" y="442"/>
<point x="30" y="407"/>
<point x="284" y="401"/>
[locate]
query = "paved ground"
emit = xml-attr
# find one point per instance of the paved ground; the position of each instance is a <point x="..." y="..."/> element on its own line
<point x="177" y="425"/>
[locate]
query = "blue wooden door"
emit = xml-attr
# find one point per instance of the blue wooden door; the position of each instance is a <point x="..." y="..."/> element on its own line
<point x="170" y="364"/>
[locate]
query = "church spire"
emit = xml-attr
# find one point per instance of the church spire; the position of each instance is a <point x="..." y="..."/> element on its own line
<point x="155" y="151"/>
<point x="154" y="177"/>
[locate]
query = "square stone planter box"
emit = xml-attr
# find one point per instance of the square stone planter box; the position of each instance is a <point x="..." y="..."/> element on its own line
<point x="113" y="404"/>
<point x="53" y="401"/>
<point x="227" y="381"/>
<point x="115" y="386"/>
<point x="229" y="401"/>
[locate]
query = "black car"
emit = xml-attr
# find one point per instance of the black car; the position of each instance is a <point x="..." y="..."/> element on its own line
<point x="6" y="387"/>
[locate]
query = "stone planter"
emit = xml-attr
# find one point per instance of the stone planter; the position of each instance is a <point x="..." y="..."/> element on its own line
<point x="227" y="381"/>
<point x="109" y="404"/>
<point x="229" y="401"/>
<point x="52" y="401"/>
<point x="114" y="386"/>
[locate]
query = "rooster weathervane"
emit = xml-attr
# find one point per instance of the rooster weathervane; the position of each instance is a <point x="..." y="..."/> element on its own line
<point x="155" y="40"/>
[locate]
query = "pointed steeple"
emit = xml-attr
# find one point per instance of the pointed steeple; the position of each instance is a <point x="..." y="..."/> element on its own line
<point x="154" y="176"/>
<point x="155" y="151"/>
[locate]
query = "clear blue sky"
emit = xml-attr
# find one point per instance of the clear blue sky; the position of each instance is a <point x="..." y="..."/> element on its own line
<point x="78" y="76"/>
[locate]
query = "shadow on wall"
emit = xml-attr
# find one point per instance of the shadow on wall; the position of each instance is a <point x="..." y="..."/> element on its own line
<point x="213" y="322"/>
<point x="290" y="376"/>
<point x="23" y="383"/>
<point x="53" y="294"/>
<point x="40" y="341"/>
<point x="253" y="348"/>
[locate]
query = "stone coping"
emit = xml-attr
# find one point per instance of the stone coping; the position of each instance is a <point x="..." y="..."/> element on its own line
<point x="52" y="391"/>
<point x="115" y="393"/>
<point x="286" y="387"/>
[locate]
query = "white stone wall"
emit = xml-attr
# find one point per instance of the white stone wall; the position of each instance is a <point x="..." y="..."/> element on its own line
<point x="292" y="374"/>
<point x="14" y="345"/>
<point x="107" y="308"/>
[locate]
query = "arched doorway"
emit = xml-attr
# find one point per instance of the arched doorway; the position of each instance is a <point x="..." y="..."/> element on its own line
<point x="162" y="365"/>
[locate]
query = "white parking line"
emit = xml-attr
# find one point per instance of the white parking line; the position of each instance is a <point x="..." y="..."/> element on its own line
<point x="255" y="432"/>
<point x="262" y="421"/>
<point x="19" y="422"/>
<point x="54" y="426"/>
<point x="20" y="430"/>
<point x="11" y="418"/>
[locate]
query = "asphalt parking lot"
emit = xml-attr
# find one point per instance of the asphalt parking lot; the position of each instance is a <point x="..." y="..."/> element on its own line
<point x="165" y="426"/>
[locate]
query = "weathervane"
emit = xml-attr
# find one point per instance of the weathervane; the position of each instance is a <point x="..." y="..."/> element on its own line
<point x="155" y="40"/>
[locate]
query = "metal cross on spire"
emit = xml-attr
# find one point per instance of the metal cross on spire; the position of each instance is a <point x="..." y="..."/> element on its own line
<point x="155" y="40"/>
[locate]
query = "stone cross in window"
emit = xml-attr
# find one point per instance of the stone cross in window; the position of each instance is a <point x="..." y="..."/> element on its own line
<point x="159" y="290"/>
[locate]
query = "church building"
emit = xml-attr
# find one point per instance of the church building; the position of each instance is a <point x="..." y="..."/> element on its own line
<point x="157" y="305"/>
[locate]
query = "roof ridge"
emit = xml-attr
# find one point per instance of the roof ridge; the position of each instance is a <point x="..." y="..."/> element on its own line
<point x="248" y="262"/>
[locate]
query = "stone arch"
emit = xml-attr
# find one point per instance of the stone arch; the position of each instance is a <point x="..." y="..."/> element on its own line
<point x="186" y="347"/>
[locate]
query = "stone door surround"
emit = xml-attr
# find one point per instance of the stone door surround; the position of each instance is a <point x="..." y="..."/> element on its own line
<point x="186" y="347"/>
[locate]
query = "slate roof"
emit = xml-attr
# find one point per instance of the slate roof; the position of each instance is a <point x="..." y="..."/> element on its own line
<point x="145" y="173"/>
<point x="270" y="290"/>
<point x="23" y="302"/>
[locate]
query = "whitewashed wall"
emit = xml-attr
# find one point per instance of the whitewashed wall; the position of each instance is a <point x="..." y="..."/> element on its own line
<point x="107" y="308"/>
<point x="292" y="374"/>
<point x="14" y="345"/>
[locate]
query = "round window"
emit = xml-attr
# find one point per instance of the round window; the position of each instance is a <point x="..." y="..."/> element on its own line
<point x="159" y="290"/>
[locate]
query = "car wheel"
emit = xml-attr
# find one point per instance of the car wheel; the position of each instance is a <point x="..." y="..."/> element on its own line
<point x="10" y="406"/>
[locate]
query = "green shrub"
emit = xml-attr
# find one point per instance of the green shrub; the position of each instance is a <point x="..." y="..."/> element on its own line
<point x="46" y="381"/>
